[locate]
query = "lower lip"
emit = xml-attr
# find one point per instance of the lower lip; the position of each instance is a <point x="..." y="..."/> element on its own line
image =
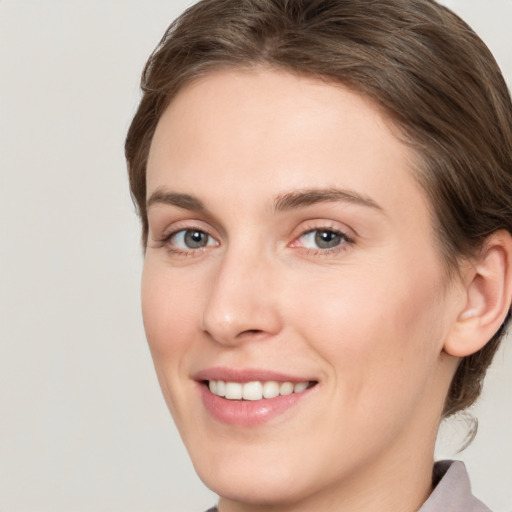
<point x="249" y="413"/>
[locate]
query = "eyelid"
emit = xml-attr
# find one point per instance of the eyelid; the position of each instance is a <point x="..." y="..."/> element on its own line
<point x="324" y="225"/>
<point x="175" y="226"/>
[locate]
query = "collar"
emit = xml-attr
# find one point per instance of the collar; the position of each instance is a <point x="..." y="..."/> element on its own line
<point x="452" y="492"/>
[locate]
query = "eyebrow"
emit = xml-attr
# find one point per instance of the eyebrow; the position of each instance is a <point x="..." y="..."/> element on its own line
<point x="290" y="201"/>
<point x="185" y="201"/>
<point x="302" y="198"/>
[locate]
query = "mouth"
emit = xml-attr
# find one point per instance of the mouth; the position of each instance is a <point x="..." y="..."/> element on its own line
<point x="255" y="390"/>
<point x="250" y="398"/>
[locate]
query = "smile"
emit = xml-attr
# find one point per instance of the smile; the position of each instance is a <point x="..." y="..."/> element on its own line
<point x="255" y="390"/>
<point x="245" y="399"/>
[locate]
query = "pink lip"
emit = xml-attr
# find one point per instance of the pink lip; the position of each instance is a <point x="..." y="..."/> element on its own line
<point x="247" y="413"/>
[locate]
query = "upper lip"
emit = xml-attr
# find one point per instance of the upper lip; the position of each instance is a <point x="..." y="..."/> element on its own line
<point x="247" y="375"/>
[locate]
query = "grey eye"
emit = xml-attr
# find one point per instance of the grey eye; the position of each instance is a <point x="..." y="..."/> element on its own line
<point x="322" y="239"/>
<point x="327" y="239"/>
<point x="192" y="239"/>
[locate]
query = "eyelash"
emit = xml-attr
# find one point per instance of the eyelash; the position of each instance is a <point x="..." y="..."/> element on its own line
<point x="165" y="241"/>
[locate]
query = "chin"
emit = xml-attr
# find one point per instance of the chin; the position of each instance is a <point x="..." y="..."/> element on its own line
<point x="258" y="473"/>
<point x="254" y="485"/>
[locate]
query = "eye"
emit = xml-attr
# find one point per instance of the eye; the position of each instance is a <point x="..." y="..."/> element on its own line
<point x="187" y="239"/>
<point x="322" y="239"/>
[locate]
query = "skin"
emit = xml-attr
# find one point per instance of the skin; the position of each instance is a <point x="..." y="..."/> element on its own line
<point x="367" y="319"/>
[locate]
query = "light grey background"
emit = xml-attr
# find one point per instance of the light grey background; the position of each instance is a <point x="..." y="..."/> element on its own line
<point x="82" y="424"/>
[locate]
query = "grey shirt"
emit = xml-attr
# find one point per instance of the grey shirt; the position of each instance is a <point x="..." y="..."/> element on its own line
<point x="452" y="490"/>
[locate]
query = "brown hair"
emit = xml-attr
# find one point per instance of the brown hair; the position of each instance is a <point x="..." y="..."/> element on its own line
<point x="431" y="73"/>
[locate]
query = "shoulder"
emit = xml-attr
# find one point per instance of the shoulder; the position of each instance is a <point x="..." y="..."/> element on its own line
<point x="453" y="490"/>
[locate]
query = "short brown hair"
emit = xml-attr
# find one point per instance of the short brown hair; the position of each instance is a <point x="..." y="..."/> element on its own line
<point x="431" y="73"/>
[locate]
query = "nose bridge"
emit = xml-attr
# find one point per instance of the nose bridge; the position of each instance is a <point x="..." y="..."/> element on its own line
<point x="241" y="303"/>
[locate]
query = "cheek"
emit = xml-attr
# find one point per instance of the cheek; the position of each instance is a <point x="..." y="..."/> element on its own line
<point x="167" y="311"/>
<point x="377" y="333"/>
<point x="169" y="307"/>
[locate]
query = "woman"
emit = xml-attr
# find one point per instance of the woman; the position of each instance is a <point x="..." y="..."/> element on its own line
<point x="326" y="200"/>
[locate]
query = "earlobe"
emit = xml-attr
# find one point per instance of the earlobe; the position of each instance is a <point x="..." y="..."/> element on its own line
<point x="488" y="294"/>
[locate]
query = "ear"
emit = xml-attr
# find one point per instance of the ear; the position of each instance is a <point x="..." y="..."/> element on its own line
<point x="487" y="296"/>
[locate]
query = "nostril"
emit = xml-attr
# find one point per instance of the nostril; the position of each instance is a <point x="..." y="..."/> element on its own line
<point x="250" y="334"/>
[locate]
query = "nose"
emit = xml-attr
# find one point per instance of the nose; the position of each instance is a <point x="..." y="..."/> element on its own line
<point x="242" y="303"/>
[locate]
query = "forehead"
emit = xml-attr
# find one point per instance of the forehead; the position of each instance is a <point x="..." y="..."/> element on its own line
<point x="262" y="131"/>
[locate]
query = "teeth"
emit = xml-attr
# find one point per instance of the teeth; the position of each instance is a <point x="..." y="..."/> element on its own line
<point x="300" y="386"/>
<point x="286" y="388"/>
<point x="233" y="390"/>
<point x="255" y="390"/>
<point x="252" y="391"/>
<point x="270" y="389"/>
<point x="221" y="388"/>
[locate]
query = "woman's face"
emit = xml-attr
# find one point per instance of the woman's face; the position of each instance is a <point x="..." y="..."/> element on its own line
<point x="290" y="248"/>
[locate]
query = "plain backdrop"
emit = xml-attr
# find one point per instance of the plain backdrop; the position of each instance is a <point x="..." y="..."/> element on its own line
<point x="83" y="426"/>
